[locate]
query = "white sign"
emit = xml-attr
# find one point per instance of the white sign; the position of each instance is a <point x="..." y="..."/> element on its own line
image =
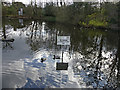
<point x="63" y="40"/>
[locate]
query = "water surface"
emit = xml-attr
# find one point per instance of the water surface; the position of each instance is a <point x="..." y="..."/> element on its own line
<point x="93" y="57"/>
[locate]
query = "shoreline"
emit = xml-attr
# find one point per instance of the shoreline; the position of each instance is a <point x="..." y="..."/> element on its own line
<point x="52" y="19"/>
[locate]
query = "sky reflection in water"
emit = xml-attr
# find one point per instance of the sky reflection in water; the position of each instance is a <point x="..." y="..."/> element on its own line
<point x="89" y="66"/>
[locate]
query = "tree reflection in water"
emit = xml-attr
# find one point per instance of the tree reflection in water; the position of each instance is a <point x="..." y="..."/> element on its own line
<point x="94" y="54"/>
<point x="7" y="41"/>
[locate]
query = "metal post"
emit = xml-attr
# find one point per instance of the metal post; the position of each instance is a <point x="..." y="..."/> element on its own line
<point x="62" y="56"/>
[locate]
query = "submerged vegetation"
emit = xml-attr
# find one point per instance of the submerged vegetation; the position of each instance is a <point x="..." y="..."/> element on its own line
<point x="88" y="14"/>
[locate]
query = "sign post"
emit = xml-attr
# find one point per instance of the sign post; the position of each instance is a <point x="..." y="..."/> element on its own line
<point x="62" y="40"/>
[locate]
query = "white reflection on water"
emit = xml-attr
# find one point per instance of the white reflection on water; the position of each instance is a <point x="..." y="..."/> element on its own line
<point x="23" y="68"/>
<point x="38" y="74"/>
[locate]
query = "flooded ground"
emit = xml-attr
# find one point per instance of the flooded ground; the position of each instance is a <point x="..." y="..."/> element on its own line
<point x="93" y="56"/>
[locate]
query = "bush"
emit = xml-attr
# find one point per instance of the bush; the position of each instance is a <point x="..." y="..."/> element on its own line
<point x="98" y="23"/>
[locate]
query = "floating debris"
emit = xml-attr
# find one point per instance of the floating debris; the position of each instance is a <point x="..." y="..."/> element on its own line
<point x="56" y="57"/>
<point x="7" y="40"/>
<point x="43" y="59"/>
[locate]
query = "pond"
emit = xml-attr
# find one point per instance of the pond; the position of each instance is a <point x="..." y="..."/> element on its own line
<point x="93" y="56"/>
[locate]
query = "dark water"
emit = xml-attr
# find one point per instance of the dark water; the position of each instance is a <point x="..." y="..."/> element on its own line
<point x="93" y="57"/>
